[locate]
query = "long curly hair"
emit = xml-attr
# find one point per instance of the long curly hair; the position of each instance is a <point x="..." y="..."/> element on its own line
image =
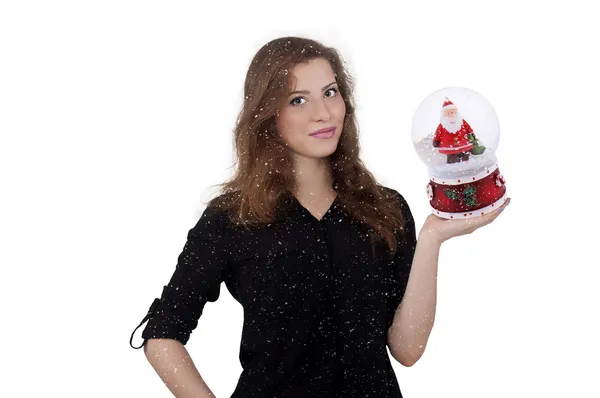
<point x="263" y="173"/>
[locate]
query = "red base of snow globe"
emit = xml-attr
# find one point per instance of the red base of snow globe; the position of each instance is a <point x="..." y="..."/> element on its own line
<point x="467" y="197"/>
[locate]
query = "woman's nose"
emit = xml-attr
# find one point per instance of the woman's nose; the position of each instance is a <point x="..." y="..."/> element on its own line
<point x="322" y="111"/>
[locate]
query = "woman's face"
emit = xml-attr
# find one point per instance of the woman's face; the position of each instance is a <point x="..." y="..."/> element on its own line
<point x="314" y="104"/>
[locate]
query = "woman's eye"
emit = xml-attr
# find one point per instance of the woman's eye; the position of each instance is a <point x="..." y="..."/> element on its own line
<point x="332" y="89"/>
<point x="296" y="99"/>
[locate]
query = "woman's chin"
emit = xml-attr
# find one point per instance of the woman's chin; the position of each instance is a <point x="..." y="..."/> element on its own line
<point x="315" y="153"/>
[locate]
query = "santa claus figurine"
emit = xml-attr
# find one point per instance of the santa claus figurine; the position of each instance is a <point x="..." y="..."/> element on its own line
<point x="454" y="137"/>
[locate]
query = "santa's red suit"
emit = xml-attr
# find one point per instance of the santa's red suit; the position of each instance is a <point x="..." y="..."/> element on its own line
<point x="453" y="143"/>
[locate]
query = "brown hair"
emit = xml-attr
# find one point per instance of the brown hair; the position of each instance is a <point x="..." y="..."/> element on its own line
<point x="263" y="174"/>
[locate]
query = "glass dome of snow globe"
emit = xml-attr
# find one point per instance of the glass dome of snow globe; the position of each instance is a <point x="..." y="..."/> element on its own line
<point x="455" y="132"/>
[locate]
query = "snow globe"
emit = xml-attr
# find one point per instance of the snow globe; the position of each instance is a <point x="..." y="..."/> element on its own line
<point x="455" y="132"/>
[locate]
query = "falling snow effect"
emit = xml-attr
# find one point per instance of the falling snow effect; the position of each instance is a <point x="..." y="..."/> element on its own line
<point x="317" y="304"/>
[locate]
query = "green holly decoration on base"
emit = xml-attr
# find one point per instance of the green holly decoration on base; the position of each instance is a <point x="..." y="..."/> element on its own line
<point x="451" y="193"/>
<point x="469" y="196"/>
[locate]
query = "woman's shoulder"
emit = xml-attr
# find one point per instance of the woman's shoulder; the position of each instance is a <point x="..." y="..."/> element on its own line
<point x="391" y="192"/>
<point x="400" y="202"/>
<point x="221" y="212"/>
<point x="215" y="217"/>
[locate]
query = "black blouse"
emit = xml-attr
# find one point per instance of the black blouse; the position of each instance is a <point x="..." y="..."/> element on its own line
<point x="317" y="300"/>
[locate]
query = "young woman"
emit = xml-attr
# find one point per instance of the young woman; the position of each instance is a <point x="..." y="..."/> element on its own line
<point x="324" y="260"/>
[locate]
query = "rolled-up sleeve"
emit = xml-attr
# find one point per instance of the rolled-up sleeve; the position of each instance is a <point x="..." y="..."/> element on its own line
<point x="402" y="261"/>
<point x="201" y="268"/>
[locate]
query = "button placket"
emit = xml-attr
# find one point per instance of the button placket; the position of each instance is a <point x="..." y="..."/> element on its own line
<point x="331" y="297"/>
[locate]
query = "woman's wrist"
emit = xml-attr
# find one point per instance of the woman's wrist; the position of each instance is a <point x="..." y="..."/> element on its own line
<point x="430" y="237"/>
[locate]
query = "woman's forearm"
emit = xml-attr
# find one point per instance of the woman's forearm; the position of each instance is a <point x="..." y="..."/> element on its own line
<point x="172" y="362"/>
<point x="414" y="318"/>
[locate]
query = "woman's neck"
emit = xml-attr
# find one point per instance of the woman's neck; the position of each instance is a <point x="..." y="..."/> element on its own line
<point x="313" y="177"/>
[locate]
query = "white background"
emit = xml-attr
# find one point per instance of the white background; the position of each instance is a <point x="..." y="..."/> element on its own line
<point x="117" y="116"/>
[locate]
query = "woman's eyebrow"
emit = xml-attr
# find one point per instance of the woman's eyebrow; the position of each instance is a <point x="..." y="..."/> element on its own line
<point x="308" y="92"/>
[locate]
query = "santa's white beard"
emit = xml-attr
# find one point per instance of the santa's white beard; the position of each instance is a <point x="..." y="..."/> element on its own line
<point x="452" y="127"/>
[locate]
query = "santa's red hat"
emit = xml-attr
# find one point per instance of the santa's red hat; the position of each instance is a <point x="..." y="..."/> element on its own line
<point x="448" y="104"/>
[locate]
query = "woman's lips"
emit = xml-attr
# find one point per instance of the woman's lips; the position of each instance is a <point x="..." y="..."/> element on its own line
<point x="324" y="134"/>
